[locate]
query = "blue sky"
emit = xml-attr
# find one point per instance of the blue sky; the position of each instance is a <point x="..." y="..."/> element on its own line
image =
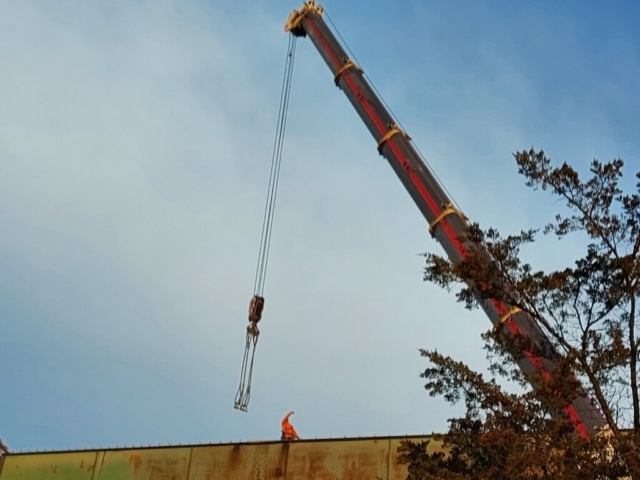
<point x="135" y="141"/>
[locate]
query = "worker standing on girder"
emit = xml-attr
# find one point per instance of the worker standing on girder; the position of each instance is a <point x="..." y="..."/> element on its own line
<point x="288" y="432"/>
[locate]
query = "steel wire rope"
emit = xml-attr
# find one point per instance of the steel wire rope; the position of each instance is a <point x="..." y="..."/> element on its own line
<point x="274" y="177"/>
<point x="243" y="394"/>
<point x="239" y="399"/>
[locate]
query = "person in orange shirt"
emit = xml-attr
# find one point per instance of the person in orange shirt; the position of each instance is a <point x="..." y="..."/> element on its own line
<point x="288" y="432"/>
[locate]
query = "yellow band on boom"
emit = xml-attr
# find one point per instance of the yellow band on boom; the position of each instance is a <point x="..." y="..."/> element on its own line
<point x="505" y="318"/>
<point x="348" y="64"/>
<point x="448" y="210"/>
<point x="392" y="131"/>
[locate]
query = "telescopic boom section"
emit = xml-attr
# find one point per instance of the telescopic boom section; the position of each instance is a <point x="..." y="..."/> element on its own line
<point x="446" y="223"/>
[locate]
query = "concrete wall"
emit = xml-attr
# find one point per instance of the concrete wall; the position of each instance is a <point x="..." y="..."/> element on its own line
<point x="348" y="459"/>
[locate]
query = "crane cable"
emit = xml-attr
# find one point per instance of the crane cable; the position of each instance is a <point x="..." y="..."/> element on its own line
<point x="256" y="305"/>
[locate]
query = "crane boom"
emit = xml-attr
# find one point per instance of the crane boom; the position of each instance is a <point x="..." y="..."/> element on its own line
<point x="446" y="223"/>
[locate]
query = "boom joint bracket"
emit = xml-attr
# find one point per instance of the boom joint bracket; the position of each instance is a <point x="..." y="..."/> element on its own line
<point x="393" y="129"/>
<point x="505" y="318"/>
<point x="448" y="210"/>
<point x="347" y="65"/>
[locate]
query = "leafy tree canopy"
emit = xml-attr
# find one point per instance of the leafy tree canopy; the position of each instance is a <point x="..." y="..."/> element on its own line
<point x="589" y="312"/>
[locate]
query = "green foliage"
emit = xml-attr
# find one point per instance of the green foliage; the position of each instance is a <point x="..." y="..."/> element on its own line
<point x="587" y="310"/>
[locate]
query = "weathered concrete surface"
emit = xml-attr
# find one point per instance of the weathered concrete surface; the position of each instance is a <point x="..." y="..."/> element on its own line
<point x="347" y="459"/>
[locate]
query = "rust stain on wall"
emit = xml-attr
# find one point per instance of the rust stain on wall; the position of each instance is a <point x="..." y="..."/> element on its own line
<point x="135" y="461"/>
